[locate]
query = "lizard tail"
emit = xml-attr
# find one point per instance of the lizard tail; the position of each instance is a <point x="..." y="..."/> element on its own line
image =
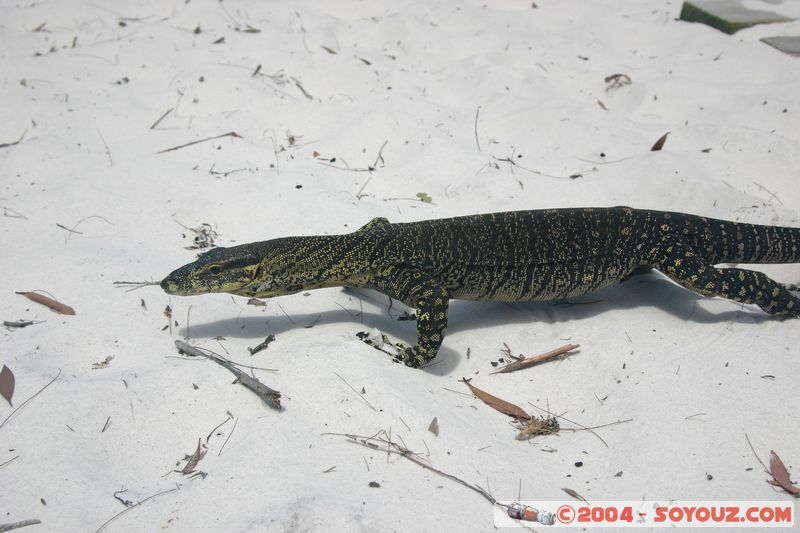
<point x="721" y="241"/>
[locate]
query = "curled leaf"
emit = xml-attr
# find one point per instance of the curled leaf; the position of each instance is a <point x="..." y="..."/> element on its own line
<point x="7" y="384"/>
<point x="780" y="476"/>
<point x="660" y="143"/>
<point x="58" y="307"/>
<point x="434" y="427"/>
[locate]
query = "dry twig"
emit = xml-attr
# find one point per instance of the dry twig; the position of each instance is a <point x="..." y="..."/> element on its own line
<point x="73" y="230"/>
<point x="262" y="346"/>
<point x="21" y="323"/>
<point x="358" y="393"/>
<point x="370" y="168"/>
<point x="10" y="213"/>
<point x="14" y="143"/>
<point x="162" y="117"/>
<point x="270" y="396"/>
<point x="133" y="285"/>
<point x="390" y="447"/>
<point x="17" y="525"/>
<point x="525" y="362"/>
<point x="477" y="112"/>
<point x="137" y="504"/>
<point x="229" y="134"/>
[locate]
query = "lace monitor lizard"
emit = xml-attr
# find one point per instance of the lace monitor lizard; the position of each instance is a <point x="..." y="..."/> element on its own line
<point x="513" y="256"/>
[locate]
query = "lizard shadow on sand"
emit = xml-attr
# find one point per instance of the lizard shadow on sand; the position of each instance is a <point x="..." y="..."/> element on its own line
<point x="644" y="290"/>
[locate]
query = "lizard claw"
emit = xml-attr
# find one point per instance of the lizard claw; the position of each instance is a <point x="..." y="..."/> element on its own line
<point x="408" y="356"/>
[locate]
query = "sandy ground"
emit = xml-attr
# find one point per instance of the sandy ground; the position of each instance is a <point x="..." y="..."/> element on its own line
<point x="319" y="93"/>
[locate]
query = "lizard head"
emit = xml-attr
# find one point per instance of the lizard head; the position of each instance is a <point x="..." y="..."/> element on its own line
<point x="270" y="268"/>
<point x="219" y="270"/>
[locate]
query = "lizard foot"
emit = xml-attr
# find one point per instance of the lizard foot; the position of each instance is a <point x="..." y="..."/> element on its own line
<point x="412" y="357"/>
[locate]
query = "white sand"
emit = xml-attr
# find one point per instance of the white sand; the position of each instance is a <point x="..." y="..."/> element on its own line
<point x="692" y="373"/>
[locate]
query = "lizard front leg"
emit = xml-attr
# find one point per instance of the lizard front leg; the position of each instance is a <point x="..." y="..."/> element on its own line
<point x="418" y="290"/>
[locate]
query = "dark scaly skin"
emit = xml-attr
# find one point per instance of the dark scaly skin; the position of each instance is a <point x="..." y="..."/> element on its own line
<point x="515" y="256"/>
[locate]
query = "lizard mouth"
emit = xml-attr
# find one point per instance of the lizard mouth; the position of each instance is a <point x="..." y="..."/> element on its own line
<point x="170" y="285"/>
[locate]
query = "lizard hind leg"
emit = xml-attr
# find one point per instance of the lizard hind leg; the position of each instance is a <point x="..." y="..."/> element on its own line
<point x="683" y="265"/>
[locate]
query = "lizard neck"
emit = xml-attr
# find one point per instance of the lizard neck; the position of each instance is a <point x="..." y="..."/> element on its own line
<point x="303" y="263"/>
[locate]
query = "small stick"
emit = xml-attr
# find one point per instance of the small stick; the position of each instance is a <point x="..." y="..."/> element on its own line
<point x="262" y="346"/>
<point x="229" y="134"/>
<point x="477" y="112"/>
<point x="14" y="143"/>
<point x="120" y="499"/>
<point x="162" y="117"/>
<point x="397" y="449"/>
<point x="358" y="194"/>
<point x="78" y="223"/>
<point x="302" y="89"/>
<point x="21" y="323"/>
<point x="370" y="168"/>
<point x="285" y="313"/>
<point x="771" y="194"/>
<point x="229" y="436"/>
<point x="354" y="390"/>
<point x="62" y="226"/>
<point x="271" y="396"/>
<point x="379" y="157"/>
<point x="137" y="504"/>
<point x="108" y="150"/>
<point x="756" y="455"/>
<point x="17" y="525"/>
<point x="135" y="284"/>
<point x="354" y="317"/>
<point x="10" y="213"/>
<point x="531" y="361"/>
<point x="9" y="461"/>
<point x="217" y="427"/>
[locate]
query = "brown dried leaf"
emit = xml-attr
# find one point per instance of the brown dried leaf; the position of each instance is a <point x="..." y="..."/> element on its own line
<point x="7" y="384"/>
<point x="434" y="427"/>
<point x="199" y="453"/>
<point x="498" y="404"/>
<point x="257" y="302"/>
<point x="660" y="143"/>
<point x="780" y="475"/>
<point x="329" y="50"/>
<point x="58" y="307"/>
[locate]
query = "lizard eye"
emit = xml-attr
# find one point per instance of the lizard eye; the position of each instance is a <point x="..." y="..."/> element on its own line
<point x="215" y="270"/>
